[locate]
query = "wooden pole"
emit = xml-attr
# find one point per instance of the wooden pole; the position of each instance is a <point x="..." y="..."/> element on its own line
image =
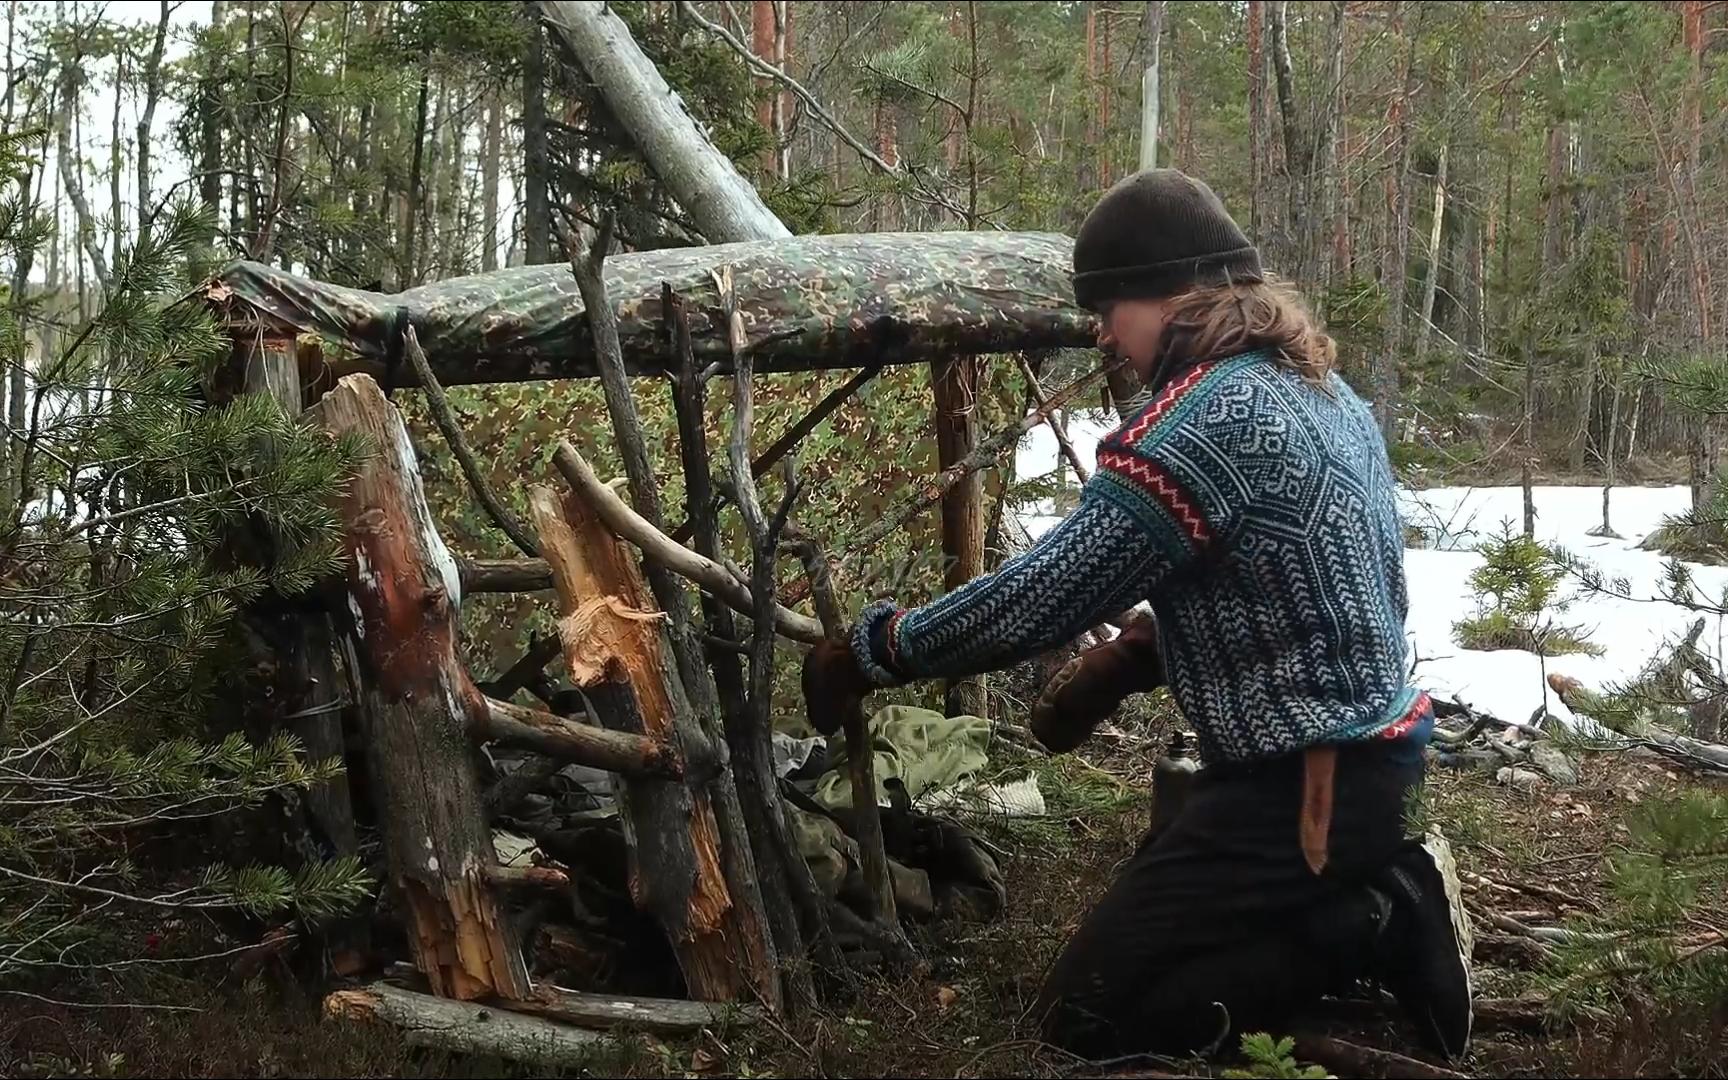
<point x="954" y="387"/>
<point x="789" y="896"/>
<point x="310" y="690"/>
<point x="616" y="649"/>
<point x="418" y="708"/>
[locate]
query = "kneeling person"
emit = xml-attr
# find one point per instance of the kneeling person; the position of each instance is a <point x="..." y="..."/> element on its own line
<point x="1248" y="497"/>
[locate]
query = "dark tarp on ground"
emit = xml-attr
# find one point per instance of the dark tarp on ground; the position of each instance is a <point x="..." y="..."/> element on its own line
<point x="808" y="302"/>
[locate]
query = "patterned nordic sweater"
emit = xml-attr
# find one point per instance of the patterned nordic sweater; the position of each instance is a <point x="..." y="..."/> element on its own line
<point x="1255" y="512"/>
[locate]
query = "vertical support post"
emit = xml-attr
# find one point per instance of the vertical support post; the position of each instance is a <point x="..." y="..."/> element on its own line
<point x="418" y="709"/>
<point x="616" y="647"/>
<point x="954" y="386"/>
<point x="309" y="690"/>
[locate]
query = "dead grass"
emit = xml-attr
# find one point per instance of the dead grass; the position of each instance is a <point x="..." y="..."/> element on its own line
<point x="961" y="1016"/>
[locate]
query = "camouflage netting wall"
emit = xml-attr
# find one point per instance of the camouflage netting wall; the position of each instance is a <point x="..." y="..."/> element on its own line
<point x="808" y="302"/>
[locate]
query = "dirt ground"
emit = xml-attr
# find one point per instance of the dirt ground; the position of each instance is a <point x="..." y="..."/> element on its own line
<point x="1543" y="849"/>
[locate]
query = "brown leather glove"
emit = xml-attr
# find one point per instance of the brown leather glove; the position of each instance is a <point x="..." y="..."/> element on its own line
<point x="1089" y="687"/>
<point x="834" y="685"/>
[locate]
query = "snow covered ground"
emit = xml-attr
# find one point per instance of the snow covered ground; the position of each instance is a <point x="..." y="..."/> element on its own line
<point x="1507" y="683"/>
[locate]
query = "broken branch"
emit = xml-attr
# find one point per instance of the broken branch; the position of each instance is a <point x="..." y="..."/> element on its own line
<point x="1351" y="1059"/>
<point x="795" y="434"/>
<point x="1043" y="401"/>
<point x="985" y="454"/>
<point x="446" y="421"/>
<point x="583" y="744"/>
<point x="504" y="575"/>
<point x="662" y="550"/>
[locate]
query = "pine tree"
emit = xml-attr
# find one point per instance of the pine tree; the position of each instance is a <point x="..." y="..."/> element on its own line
<point x="118" y="596"/>
<point x="1523" y="579"/>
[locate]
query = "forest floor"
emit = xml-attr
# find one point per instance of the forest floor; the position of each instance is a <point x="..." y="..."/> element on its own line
<point x="962" y="1016"/>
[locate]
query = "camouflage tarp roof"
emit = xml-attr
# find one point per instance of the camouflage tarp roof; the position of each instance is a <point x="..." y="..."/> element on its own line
<point x="808" y="302"/>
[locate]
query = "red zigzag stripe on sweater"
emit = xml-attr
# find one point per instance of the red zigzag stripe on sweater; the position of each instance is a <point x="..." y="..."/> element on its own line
<point x="1162" y="404"/>
<point x="1162" y="487"/>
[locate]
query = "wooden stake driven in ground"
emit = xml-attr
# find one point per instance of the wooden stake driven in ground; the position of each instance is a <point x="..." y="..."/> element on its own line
<point x="615" y="648"/>
<point x="789" y="897"/>
<point x="402" y="593"/>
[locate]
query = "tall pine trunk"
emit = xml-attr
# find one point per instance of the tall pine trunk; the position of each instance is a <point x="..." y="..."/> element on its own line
<point x="762" y="42"/>
<point x="1397" y="184"/>
<point x="410" y="274"/>
<point x="536" y="170"/>
<point x="490" y="159"/>
<point x="1257" y="142"/>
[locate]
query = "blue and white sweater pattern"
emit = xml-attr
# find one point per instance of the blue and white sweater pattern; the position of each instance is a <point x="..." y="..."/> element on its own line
<point x="1256" y="512"/>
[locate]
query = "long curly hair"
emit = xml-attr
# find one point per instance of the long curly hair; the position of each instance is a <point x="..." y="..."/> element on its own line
<point x="1209" y="322"/>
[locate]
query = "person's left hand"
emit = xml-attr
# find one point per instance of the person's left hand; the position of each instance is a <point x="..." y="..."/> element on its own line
<point x="1089" y="687"/>
<point x="834" y="685"/>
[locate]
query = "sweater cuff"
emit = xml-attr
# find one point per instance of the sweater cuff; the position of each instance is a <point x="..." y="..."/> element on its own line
<point x="873" y="643"/>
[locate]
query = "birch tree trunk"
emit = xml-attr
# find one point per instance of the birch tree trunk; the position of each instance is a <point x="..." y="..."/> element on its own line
<point x="1149" y="85"/>
<point x="724" y="206"/>
<point x="1432" y="284"/>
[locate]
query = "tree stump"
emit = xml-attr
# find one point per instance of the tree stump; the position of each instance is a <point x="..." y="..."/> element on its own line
<point x="616" y="649"/>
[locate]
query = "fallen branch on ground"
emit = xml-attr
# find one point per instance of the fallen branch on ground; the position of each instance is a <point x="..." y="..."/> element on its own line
<point x="464" y="1027"/>
<point x="1353" y="1059"/>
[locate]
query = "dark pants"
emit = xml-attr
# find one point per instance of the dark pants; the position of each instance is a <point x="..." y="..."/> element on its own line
<point x="1217" y="925"/>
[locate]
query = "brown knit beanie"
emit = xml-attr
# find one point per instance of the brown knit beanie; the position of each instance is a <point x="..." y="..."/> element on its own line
<point x="1154" y="234"/>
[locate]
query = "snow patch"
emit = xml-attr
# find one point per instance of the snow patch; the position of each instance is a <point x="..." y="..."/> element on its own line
<point x="1510" y="684"/>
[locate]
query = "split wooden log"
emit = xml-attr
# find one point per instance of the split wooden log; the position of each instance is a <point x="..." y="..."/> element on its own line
<point x="661" y="1016"/>
<point x="657" y="546"/>
<point x="504" y="576"/>
<point x="417" y="708"/>
<point x="583" y="744"/>
<point x="310" y="689"/>
<point x="464" y="1027"/>
<point x="696" y="717"/>
<point x="616" y="651"/>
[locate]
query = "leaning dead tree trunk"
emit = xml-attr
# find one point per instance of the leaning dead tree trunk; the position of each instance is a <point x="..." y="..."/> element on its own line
<point x="789" y="897"/>
<point x="616" y="649"/>
<point x="403" y="590"/>
<point x="721" y="202"/>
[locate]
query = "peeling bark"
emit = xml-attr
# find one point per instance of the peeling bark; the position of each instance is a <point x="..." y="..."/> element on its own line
<point x="418" y="709"/>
